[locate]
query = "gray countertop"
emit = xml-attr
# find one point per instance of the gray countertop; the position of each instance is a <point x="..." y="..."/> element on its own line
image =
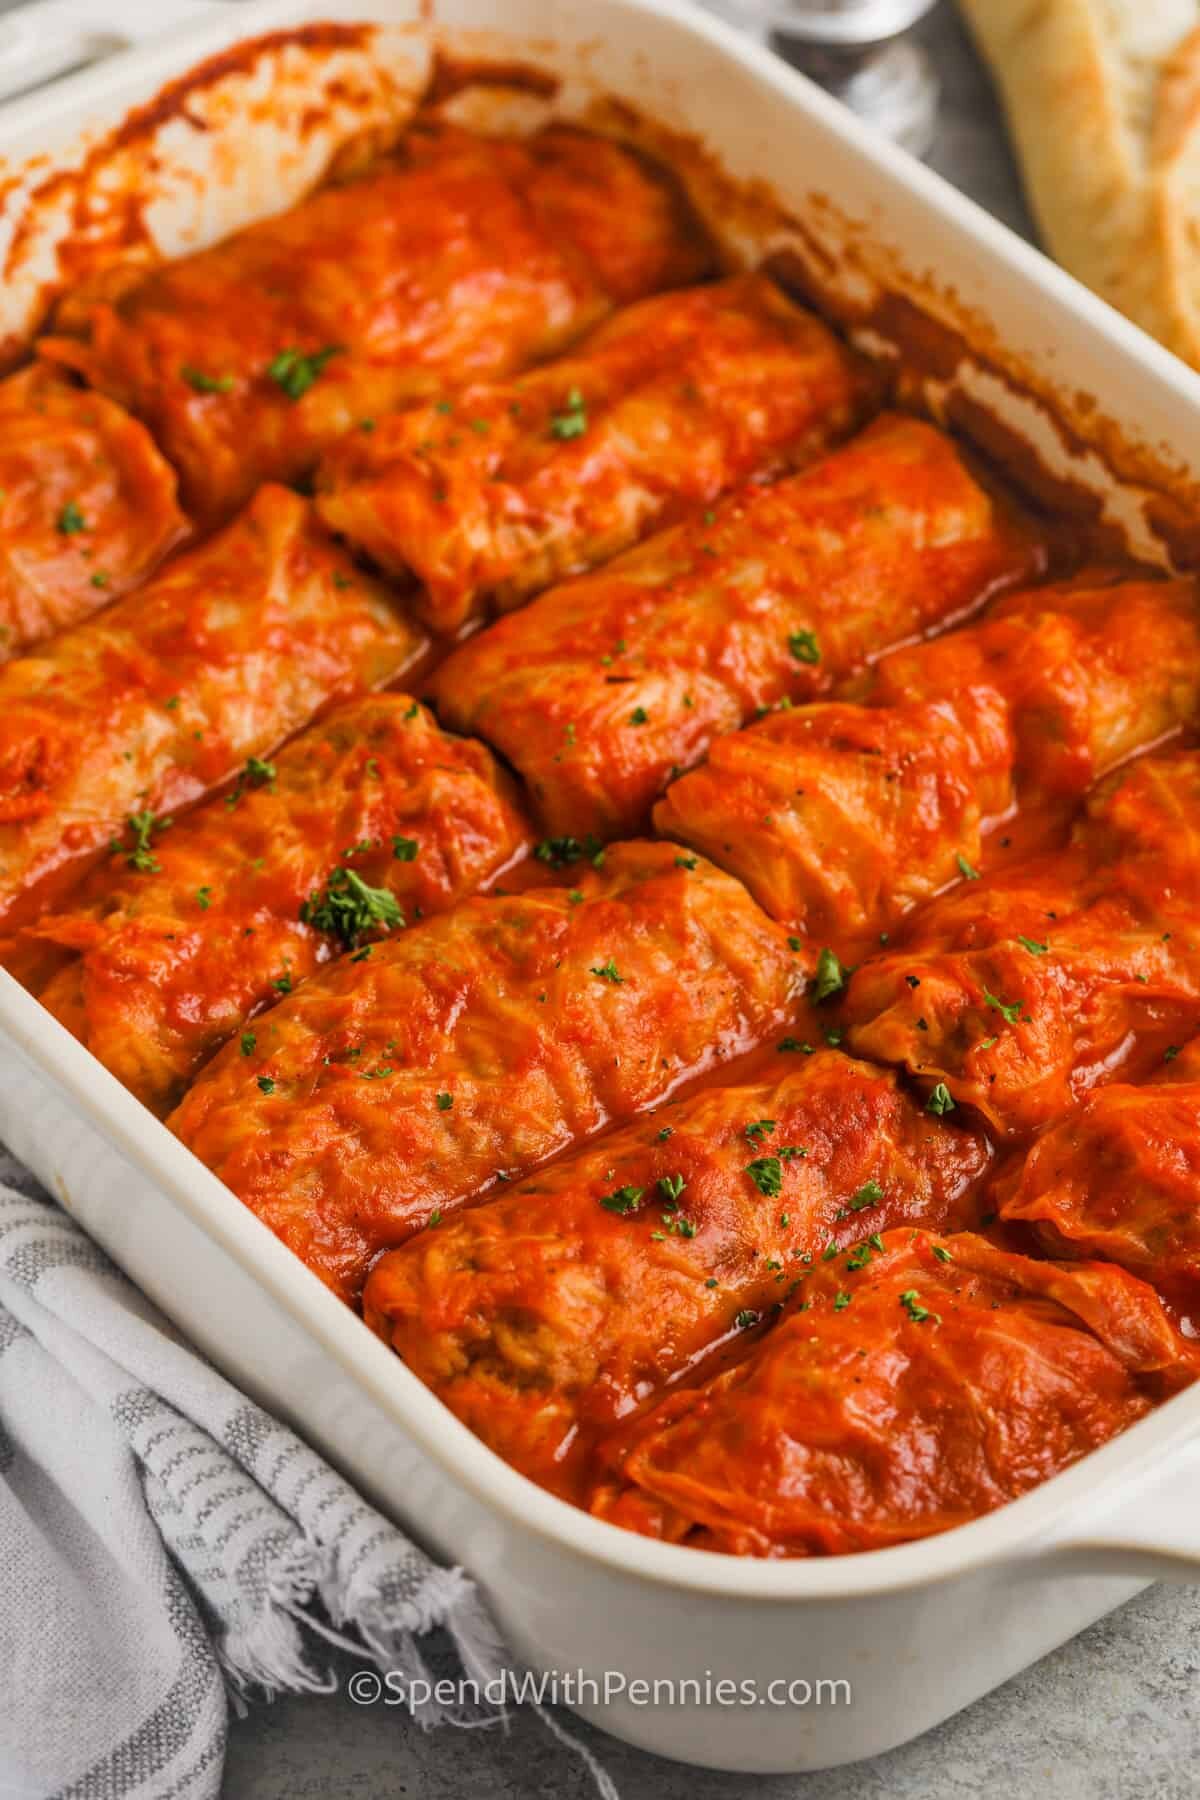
<point x="1114" y="1715"/>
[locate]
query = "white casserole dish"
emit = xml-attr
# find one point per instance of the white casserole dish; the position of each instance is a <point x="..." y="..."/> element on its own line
<point x="917" y="1631"/>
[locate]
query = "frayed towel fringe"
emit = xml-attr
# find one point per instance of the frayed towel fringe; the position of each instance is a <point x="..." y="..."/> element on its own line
<point x="271" y="1653"/>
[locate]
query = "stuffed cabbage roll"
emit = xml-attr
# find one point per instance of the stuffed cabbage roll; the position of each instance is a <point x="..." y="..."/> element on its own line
<point x="1119" y="1178"/>
<point x="910" y="1390"/>
<point x="87" y="506"/>
<point x="601" y="690"/>
<point x="1017" y="993"/>
<point x="518" y="484"/>
<point x="550" y="1312"/>
<point x="367" y="822"/>
<point x="841" y="818"/>
<point x="461" y="257"/>
<point x="112" y="726"/>
<point x="417" y="1072"/>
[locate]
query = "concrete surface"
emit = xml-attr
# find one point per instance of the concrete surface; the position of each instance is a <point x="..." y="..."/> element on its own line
<point x="1115" y="1715"/>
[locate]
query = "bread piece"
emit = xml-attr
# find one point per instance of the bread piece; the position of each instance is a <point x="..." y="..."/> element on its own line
<point x="1103" y="98"/>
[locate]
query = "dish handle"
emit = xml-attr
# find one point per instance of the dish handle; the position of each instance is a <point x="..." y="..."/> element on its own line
<point x="1150" y="1531"/>
<point x="40" y="42"/>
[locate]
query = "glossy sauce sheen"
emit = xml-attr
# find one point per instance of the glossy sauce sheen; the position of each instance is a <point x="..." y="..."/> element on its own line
<point x="1119" y="1178"/>
<point x="461" y="259"/>
<point x="1021" y="991"/>
<point x="807" y="1199"/>
<point x="551" y="1311"/>
<point x="601" y="689"/>
<point x="87" y="506"/>
<point x="158" y="700"/>
<point x="170" y="963"/>
<point x="935" y="1391"/>
<point x="840" y="818"/>
<point x="518" y="484"/>
<point x="480" y="1044"/>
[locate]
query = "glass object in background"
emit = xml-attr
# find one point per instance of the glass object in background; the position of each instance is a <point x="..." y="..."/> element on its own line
<point x="856" y="50"/>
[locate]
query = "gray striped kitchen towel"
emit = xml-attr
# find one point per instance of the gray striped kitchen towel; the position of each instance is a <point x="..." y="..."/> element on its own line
<point x="165" y="1545"/>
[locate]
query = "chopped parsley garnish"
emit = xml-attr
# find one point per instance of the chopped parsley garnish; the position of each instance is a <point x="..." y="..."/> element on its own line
<point x="295" y="371"/>
<point x="347" y="907"/>
<point x="746" y="1318"/>
<point x="623" y="1200"/>
<point x="283" y="983"/>
<point x="670" y="1187"/>
<point x="966" y="869"/>
<point x="1032" y="945"/>
<point x="248" y="1042"/>
<point x="266" y="1085"/>
<point x="404" y="849"/>
<point x="941" y="1252"/>
<point x="791" y="1043"/>
<point x="1009" y="1013"/>
<point x="639" y="716"/>
<point x="561" y="850"/>
<point x="608" y="971"/>
<point x="664" y="1134"/>
<point x="256" y="773"/>
<point x="1171" y="1052"/>
<point x="940" y="1101"/>
<point x="910" y="1300"/>
<point x="100" y="579"/>
<point x="759" y="1129"/>
<point x="445" y="1102"/>
<point x="766" y="1172"/>
<point x="804" y="646"/>
<point x="841" y="1301"/>
<point x="204" y="898"/>
<point x="830" y="977"/>
<point x="869" y="1194"/>
<point x="70" y="520"/>
<point x="140" y="856"/>
<point x="206" y="384"/>
<point x="572" y="421"/>
<point x="435" y="1218"/>
<point x="685" y="862"/>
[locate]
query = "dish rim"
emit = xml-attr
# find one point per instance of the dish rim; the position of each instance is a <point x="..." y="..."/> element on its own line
<point x="1023" y="1529"/>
